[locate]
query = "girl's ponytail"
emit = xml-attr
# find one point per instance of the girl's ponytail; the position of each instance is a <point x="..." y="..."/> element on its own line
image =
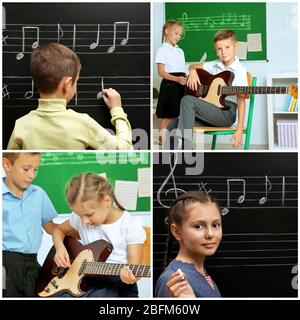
<point x="168" y="252"/>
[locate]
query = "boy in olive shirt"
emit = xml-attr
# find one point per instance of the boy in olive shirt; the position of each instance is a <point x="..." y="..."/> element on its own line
<point x="55" y="70"/>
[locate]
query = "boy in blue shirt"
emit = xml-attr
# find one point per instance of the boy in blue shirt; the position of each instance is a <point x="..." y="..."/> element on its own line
<point x="26" y="210"/>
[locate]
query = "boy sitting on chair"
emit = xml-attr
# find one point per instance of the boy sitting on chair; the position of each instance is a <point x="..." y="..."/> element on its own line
<point x="195" y="111"/>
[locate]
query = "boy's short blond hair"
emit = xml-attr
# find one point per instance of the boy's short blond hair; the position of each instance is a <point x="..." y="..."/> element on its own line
<point x="225" y="34"/>
<point x="13" y="156"/>
<point x="50" y="63"/>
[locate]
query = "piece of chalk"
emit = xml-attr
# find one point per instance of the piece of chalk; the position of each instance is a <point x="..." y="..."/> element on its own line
<point x="180" y="272"/>
<point x="99" y="95"/>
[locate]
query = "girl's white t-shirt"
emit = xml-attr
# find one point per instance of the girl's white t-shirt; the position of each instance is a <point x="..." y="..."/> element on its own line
<point x="172" y="57"/>
<point x="126" y="230"/>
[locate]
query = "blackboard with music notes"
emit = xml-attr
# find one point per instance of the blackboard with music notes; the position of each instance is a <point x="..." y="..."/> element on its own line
<point x="258" y="196"/>
<point x="112" y="41"/>
<point x="202" y="20"/>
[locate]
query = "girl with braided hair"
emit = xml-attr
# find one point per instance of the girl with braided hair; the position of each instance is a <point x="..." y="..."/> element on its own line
<point x="195" y="222"/>
<point x="98" y="215"/>
<point x="172" y="69"/>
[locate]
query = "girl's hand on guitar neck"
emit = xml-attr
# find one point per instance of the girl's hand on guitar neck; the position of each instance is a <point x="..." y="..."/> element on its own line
<point x="127" y="276"/>
<point x="193" y="80"/>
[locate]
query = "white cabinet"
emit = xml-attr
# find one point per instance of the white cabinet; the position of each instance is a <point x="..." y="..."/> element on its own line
<point x="276" y="103"/>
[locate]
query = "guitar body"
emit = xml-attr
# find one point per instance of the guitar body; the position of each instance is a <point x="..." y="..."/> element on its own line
<point x="210" y="89"/>
<point x="53" y="280"/>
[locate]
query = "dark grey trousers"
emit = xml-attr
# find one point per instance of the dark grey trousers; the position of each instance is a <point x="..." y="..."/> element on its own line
<point x="194" y="111"/>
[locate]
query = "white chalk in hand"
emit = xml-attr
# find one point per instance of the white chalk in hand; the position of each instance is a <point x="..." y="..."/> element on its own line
<point x="99" y="95"/>
<point x="180" y="272"/>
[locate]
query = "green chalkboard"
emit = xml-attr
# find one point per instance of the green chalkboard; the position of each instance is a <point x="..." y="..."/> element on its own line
<point x="57" y="168"/>
<point x="203" y="20"/>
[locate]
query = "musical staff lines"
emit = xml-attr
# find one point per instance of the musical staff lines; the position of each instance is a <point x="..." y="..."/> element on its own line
<point x="214" y="23"/>
<point x="18" y="91"/>
<point x="256" y="192"/>
<point x="120" y="37"/>
<point x="243" y="250"/>
<point x="86" y="158"/>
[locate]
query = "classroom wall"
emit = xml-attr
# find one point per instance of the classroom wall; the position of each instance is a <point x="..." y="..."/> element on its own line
<point x="282" y="54"/>
<point x="144" y="284"/>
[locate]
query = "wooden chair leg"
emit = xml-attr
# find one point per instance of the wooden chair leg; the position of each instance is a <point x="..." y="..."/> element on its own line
<point x="214" y="142"/>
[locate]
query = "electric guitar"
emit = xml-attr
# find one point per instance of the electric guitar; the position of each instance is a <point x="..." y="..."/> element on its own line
<point x="214" y="88"/>
<point x="87" y="260"/>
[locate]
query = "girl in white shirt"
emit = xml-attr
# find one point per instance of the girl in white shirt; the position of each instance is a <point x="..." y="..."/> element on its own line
<point x="95" y="217"/>
<point x="171" y="67"/>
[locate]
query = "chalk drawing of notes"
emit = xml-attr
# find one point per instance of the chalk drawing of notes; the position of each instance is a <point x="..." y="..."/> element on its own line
<point x="74" y="37"/>
<point x="60" y="32"/>
<point x="229" y="18"/>
<point x="95" y="44"/>
<point x="5" y="92"/>
<point x="241" y="198"/>
<point x="124" y="41"/>
<point x="175" y="189"/>
<point x="34" y="45"/>
<point x="268" y="187"/>
<point x="29" y="94"/>
<point x="4" y="38"/>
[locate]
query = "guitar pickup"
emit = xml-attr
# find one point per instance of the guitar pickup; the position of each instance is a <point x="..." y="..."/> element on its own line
<point x="53" y="282"/>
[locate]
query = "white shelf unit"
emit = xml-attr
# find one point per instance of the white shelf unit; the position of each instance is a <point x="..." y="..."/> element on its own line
<point x="276" y="104"/>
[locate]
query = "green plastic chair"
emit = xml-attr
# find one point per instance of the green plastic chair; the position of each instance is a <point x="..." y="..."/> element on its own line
<point x="231" y="130"/>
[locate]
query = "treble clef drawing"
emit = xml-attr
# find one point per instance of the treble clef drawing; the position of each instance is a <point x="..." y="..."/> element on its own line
<point x="174" y="189"/>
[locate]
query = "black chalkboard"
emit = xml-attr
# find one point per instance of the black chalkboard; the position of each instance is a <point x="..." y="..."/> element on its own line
<point x="258" y="253"/>
<point x="126" y="68"/>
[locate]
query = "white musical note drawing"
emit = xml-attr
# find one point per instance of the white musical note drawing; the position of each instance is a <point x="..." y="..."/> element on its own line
<point x="4" y="40"/>
<point x="60" y="32"/>
<point x="29" y="94"/>
<point x="124" y="41"/>
<point x="94" y="45"/>
<point x="175" y="189"/>
<point x="268" y="187"/>
<point x="100" y="94"/>
<point x="3" y="18"/>
<point x="202" y="187"/>
<point x="74" y="37"/>
<point x="34" y="45"/>
<point x="283" y="191"/>
<point x="5" y="92"/>
<point x="240" y="199"/>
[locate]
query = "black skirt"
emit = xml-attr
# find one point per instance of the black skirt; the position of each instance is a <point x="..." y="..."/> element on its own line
<point x="170" y="94"/>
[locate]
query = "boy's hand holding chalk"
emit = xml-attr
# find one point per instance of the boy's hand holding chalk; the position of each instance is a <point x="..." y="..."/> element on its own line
<point x="112" y="98"/>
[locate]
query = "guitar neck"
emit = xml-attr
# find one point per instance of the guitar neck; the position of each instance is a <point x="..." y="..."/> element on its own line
<point x="113" y="269"/>
<point x="233" y="90"/>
